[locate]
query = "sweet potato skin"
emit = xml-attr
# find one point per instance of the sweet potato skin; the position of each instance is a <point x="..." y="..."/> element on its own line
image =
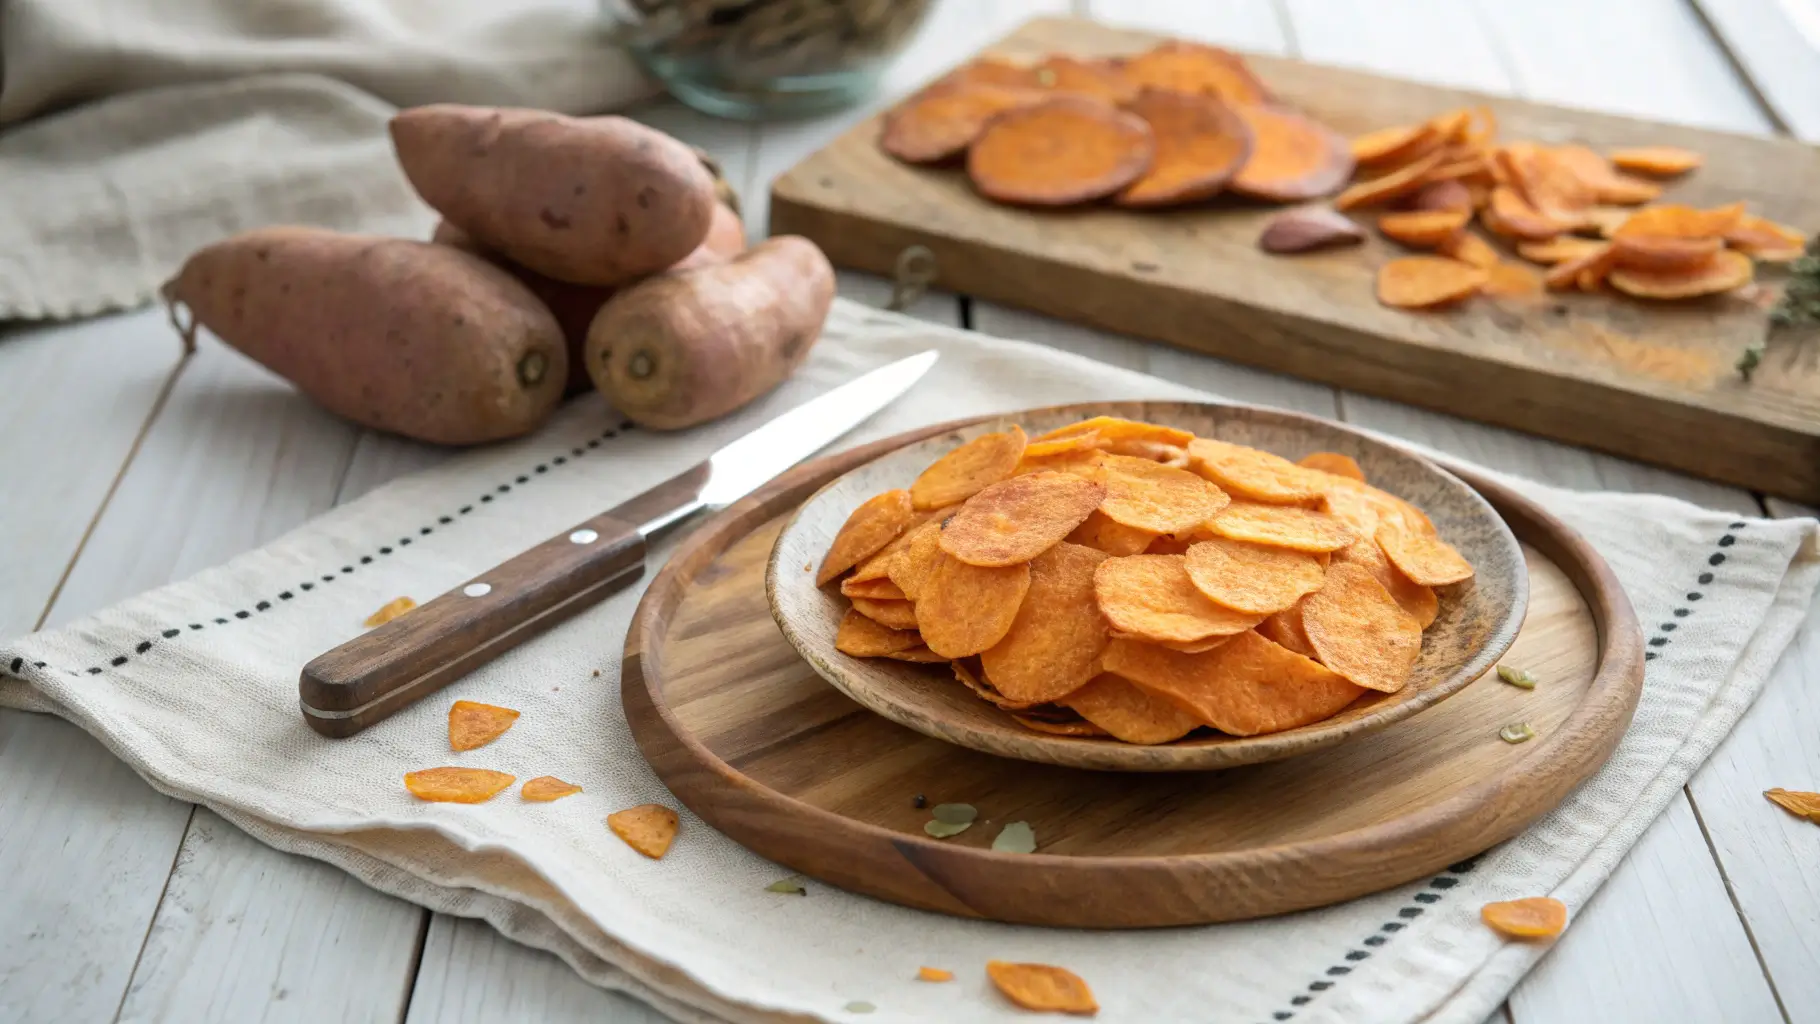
<point x="596" y="200"/>
<point x="417" y="339"/>
<point x="692" y="345"/>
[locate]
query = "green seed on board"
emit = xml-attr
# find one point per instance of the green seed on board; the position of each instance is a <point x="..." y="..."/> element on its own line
<point x="1517" y="733"/>
<point x="955" y="814"/>
<point x="1517" y="677"/>
<point x="789" y="885"/>
<point x="1017" y="837"/>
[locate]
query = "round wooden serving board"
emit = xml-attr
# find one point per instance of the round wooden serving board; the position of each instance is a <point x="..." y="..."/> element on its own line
<point x="746" y="734"/>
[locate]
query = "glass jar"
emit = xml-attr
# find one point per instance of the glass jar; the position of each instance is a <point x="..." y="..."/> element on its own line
<point x="753" y="59"/>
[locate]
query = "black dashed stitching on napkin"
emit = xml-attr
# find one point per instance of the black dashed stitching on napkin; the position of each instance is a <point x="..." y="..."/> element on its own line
<point x="145" y="646"/>
<point x="1444" y="882"/>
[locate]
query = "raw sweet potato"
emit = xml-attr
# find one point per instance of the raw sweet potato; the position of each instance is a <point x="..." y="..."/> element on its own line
<point x="691" y="345"/>
<point x="1064" y="150"/>
<point x="418" y="339"/>
<point x="598" y="200"/>
<point x="1200" y="145"/>
<point x="1292" y="157"/>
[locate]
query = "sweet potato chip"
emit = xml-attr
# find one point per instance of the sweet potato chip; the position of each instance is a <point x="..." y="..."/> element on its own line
<point x="891" y="614"/>
<point x="1293" y="158"/>
<point x="1424" y="229"/>
<point x="1097" y="531"/>
<point x="390" y="610"/>
<point x="985" y="690"/>
<point x="1358" y="630"/>
<point x="1200" y="145"/>
<point x="1657" y="252"/>
<point x="1015" y="520"/>
<point x="965" y="609"/>
<point x="1423" y="557"/>
<point x="546" y="788"/>
<point x="1252" y="474"/>
<point x="1096" y="79"/>
<point x="1657" y="161"/>
<point x="1246" y="687"/>
<point x="1151" y="596"/>
<point x="1333" y="462"/>
<point x="1511" y="280"/>
<point x="878" y="566"/>
<point x="939" y="123"/>
<point x="1285" y="629"/>
<point x="1419" y="601"/>
<point x="1537" y="917"/>
<point x="1602" y="221"/>
<point x="1151" y="496"/>
<point x="992" y="71"/>
<point x="1442" y="195"/>
<point x="457" y="785"/>
<point x="969" y="469"/>
<point x="472" y="724"/>
<point x="1401" y="182"/>
<point x="1395" y="145"/>
<point x="1040" y="449"/>
<point x="1726" y="270"/>
<point x="910" y="567"/>
<point x="1197" y="70"/>
<point x="933" y="974"/>
<point x="878" y="521"/>
<point x="1673" y="220"/>
<point x="862" y="637"/>
<point x="1113" y="428"/>
<point x="1566" y="275"/>
<point x="1130" y="712"/>
<point x="1766" y="240"/>
<point x="1078" y="727"/>
<point x="1187" y="647"/>
<point x="1558" y="250"/>
<point x="1155" y="451"/>
<point x="1064" y="150"/>
<point x="1251" y="578"/>
<point x="918" y="654"/>
<point x="1469" y="249"/>
<point x="1520" y="219"/>
<point x="647" y="828"/>
<point x="1042" y="987"/>
<point x="1423" y="282"/>
<point x="1282" y="526"/>
<point x="1055" y="641"/>
<point x="877" y="590"/>
<point x="1802" y="805"/>
<point x="1624" y="190"/>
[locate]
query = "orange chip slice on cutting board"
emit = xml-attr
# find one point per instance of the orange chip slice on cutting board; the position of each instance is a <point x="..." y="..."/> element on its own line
<point x="862" y="637"/>
<point x="939" y="123"/>
<point x="1246" y="687"/>
<point x="1250" y="577"/>
<point x="1058" y="634"/>
<point x="1196" y="69"/>
<point x="546" y="788"/>
<point x="1200" y="145"/>
<point x="965" y="609"/>
<point x="647" y="828"/>
<point x="1282" y="526"/>
<point x="472" y="724"/>
<point x="1292" y="157"/>
<point x="1151" y="496"/>
<point x="457" y="785"/>
<point x="969" y="469"/>
<point x="1252" y="474"/>
<point x="1061" y="151"/>
<point x="1423" y="282"/>
<point x="1151" y="596"/>
<point x="1015" y="520"/>
<point x="1097" y="531"/>
<point x="1042" y="987"/>
<point x="878" y="521"/>
<point x="1358" y="630"/>
<point x="1129" y="712"/>
<point x="1423" y="557"/>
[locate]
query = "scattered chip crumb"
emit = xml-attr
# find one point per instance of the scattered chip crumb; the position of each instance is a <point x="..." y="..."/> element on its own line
<point x="1042" y="987"/>
<point x="391" y="610"/>
<point x="1537" y="917"/>
<point x="933" y="974"/>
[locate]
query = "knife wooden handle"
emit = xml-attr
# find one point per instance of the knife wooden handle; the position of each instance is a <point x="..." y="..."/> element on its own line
<point x="368" y="678"/>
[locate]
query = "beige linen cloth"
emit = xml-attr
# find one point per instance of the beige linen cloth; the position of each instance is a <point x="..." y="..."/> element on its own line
<point x="133" y="132"/>
<point x="195" y="686"/>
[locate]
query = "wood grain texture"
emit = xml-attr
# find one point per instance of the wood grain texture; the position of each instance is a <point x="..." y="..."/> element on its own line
<point x="746" y="735"/>
<point x="1475" y="626"/>
<point x="470" y="974"/>
<point x="1652" y="382"/>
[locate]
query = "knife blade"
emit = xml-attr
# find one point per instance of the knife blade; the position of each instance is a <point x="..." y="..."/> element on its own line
<point x="384" y="670"/>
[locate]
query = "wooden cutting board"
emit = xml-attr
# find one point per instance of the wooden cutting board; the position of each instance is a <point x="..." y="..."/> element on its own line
<point x="1650" y="381"/>
<point x="747" y="735"/>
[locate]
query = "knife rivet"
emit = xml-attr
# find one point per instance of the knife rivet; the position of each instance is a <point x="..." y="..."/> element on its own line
<point x="583" y="536"/>
<point x="477" y="590"/>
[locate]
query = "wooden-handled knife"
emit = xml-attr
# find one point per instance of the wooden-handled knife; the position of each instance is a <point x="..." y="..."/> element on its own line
<point x="368" y="678"/>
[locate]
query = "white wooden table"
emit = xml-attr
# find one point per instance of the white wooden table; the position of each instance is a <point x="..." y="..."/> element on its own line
<point x="124" y="466"/>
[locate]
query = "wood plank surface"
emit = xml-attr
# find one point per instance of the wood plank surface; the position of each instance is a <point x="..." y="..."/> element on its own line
<point x="470" y="975"/>
<point x="1640" y="379"/>
<point x="1776" y="44"/>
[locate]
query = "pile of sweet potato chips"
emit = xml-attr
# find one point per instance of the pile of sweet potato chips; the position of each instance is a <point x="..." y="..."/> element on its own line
<point x="1183" y="122"/>
<point x="1129" y="580"/>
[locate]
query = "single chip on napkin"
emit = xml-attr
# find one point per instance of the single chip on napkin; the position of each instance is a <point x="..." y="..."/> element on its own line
<point x="1042" y="987"/>
<point x="457" y="785"/>
<point x="546" y="788"/>
<point x="1537" y="917"/>
<point x="390" y="610"/>
<point x="472" y="724"/>
<point x="647" y="828"/>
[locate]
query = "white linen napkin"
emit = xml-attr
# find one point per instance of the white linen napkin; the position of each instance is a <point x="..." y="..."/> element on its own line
<point x="133" y="134"/>
<point x="195" y="686"/>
